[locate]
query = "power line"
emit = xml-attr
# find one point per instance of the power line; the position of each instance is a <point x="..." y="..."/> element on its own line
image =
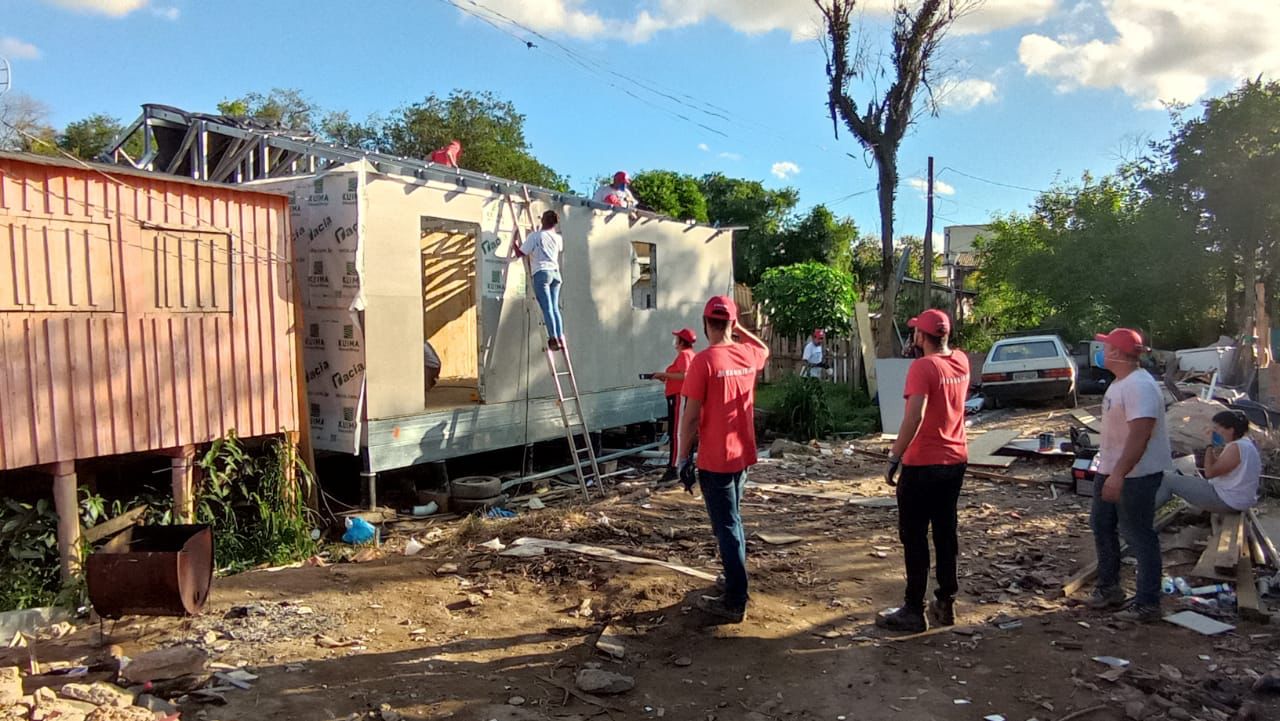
<point x="992" y="182"/>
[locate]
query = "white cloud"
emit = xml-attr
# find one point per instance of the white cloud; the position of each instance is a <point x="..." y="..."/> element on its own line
<point x="968" y="94"/>
<point x="168" y="13"/>
<point x="799" y="18"/>
<point x="939" y="187"/>
<point x="784" y="169"/>
<point x="1157" y="51"/>
<point x="730" y="156"/>
<point x="114" y="8"/>
<point x="18" y="50"/>
<point x="703" y="147"/>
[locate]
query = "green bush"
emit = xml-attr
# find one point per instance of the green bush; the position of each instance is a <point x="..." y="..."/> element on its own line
<point x="31" y="568"/>
<point x="807" y="408"/>
<point x="799" y="298"/>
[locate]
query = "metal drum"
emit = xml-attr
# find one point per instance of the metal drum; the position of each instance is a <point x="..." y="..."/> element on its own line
<point x="163" y="571"/>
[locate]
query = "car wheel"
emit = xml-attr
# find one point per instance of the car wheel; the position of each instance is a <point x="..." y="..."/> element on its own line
<point x="1072" y="398"/>
<point x="475" y="487"/>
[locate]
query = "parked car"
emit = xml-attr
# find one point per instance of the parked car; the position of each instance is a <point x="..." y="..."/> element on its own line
<point x="1091" y="376"/>
<point x="1034" y="367"/>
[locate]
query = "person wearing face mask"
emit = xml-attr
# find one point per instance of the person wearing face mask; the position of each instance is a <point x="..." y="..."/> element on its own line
<point x="1232" y="468"/>
<point x="1132" y="459"/>
<point x="673" y="376"/>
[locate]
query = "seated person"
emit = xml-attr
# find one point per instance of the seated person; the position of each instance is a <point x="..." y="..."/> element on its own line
<point x="1232" y="468"/>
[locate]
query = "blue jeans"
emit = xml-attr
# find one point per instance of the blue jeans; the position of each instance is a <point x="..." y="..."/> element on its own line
<point x="722" y="492"/>
<point x="1134" y="516"/>
<point x="546" y="288"/>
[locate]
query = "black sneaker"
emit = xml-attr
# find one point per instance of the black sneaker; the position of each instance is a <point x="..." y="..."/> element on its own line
<point x="1139" y="613"/>
<point x="1105" y="599"/>
<point x="553" y="344"/>
<point x="943" y="613"/>
<point x="902" y="620"/>
<point x="716" y="606"/>
<point x="720" y="582"/>
<point x="671" y="476"/>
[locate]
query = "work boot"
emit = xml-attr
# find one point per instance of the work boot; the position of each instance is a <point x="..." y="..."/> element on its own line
<point x="1105" y="599"/>
<point x="553" y="344"/>
<point x="671" y="476"/>
<point x="902" y="620"/>
<point x="943" y="611"/>
<point x="1139" y="613"/>
<point x="718" y="607"/>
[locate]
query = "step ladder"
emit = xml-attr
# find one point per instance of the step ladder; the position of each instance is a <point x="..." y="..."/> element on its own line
<point x="568" y="400"/>
<point x="574" y="419"/>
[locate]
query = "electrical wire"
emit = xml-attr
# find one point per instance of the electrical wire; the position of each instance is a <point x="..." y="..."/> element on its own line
<point x="990" y="182"/>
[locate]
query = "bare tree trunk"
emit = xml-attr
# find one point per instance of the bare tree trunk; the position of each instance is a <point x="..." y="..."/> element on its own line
<point x="887" y="163"/>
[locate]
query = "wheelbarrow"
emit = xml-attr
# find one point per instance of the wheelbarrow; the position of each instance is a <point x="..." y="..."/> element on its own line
<point x="152" y="571"/>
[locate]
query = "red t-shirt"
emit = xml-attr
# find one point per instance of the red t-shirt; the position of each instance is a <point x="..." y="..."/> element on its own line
<point x="944" y="382"/>
<point x="723" y="377"/>
<point x="679" y="365"/>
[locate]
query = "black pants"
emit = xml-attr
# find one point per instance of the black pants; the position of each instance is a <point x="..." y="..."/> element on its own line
<point x="927" y="496"/>
<point x="673" y="421"/>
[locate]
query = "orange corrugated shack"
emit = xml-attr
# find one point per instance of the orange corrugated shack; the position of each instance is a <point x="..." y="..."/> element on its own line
<point x="139" y="313"/>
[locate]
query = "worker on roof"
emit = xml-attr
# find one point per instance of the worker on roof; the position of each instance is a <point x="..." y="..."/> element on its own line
<point x="543" y="248"/>
<point x="618" y="193"/>
<point x="814" y="356"/>
<point x="673" y="376"/>
<point x="448" y="155"/>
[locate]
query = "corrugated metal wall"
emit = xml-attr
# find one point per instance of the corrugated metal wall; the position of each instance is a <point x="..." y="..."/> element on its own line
<point x="138" y="314"/>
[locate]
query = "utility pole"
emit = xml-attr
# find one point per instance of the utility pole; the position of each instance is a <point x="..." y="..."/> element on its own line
<point x="926" y="263"/>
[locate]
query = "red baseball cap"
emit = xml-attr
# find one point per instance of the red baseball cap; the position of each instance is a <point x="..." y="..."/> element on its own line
<point x="685" y="335"/>
<point x="932" y="321"/>
<point x="820" y="334"/>
<point x="621" y="177"/>
<point x="722" y="307"/>
<point x="1126" y="340"/>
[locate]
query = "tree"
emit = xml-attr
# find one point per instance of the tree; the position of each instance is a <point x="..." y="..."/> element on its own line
<point x="490" y="130"/>
<point x="671" y="193"/>
<point x="90" y="137"/>
<point x="1223" y="169"/>
<point x="24" y="125"/>
<point x="738" y="202"/>
<point x="337" y="127"/>
<point x="804" y="296"/>
<point x="820" y="237"/>
<point x="285" y="107"/>
<point x="918" y="31"/>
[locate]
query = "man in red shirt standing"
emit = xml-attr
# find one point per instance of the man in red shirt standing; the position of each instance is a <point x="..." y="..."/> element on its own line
<point x="719" y="391"/>
<point x="932" y="451"/>
<point x="673" y="377"/>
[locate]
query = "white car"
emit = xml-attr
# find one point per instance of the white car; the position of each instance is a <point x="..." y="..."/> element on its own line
<point x="1033" y="367"/>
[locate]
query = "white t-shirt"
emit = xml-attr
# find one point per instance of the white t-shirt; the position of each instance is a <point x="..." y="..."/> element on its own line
<point x="1137" y="396"/>
<point x="812" y="353"/>
<point x="1239" y="488"/>
<point x="543" y="248"/>
<point x="625" y="198"/>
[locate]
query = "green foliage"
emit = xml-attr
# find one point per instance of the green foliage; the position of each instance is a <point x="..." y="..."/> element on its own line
<point x="734" y="201"/>
<point x="258" y="516"/>
<point x="804" y="409"/>
<point x="799" y="298"/>
<point x="30" y="566"/>
<point x="671" y="194"/>
<point x="819" y="237"/>
<point x="89" y="137"/>
<point x="489" y="128"/>
<point x="286" y="107"/>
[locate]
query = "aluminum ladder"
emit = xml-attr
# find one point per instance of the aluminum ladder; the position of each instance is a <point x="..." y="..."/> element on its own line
<point x="575" y="422"/>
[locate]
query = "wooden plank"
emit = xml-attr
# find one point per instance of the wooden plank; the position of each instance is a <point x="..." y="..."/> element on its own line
<point x="115" y="525"/>
<point x="981" y="450"/>
<point x="1246" y="589"/>
<point x="1087" y="419"/>
<point x="1232" y="540"/>
<point x="863" y="314"/>
<point x="1205" y="566"/>
<point x="1268" y="545"/>
<point x="1087" y="573"/>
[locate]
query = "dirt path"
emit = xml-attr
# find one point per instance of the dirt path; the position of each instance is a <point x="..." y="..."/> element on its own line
<point x="463" y="644"/>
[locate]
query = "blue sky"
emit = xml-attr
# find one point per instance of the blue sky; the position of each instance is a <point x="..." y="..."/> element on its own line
<point x="1039" y="89"/>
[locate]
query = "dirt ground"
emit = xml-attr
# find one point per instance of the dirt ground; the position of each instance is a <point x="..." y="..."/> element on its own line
<point x="502" y="637"/>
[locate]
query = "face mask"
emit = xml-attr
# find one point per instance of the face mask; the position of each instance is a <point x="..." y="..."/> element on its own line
<point x="1099" y="359"/>
<point x="1217" y="439"/>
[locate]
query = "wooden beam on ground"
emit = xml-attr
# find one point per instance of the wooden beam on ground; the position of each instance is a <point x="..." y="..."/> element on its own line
<point x="1206" y="566"/>
<point x="115" y="525"/>
<point x="1246" y="589"/>
<point x="68" y="508"/>
<point x="1268" y="545"/>
<point x="1230" y="544"/>
<point x="982" y="449"/>
<point x="984" y="475"/>
<point x="1087" y="573"/>
<point x="1087" y="419"/>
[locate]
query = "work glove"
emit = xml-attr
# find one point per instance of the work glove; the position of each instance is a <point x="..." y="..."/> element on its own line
<point x="688" y="476"/>
<point x="891" y="471"/>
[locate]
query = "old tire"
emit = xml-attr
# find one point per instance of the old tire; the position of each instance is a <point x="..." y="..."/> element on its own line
<point x="472" y="505"/>
<point x="475" y="488"/>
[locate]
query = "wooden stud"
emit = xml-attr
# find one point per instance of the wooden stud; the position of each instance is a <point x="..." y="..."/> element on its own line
<point x="1246" y="590"/>
<point x="182" y="472"/>
<point x="68" y="508"/>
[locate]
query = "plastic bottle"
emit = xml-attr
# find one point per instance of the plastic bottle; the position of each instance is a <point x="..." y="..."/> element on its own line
<point x="1227" y="599"/>
<point x="1183" y="587"/>
<point x="1211" y="590"/>
<point x="358" y="531"/>
<point x="1166" y="586"/>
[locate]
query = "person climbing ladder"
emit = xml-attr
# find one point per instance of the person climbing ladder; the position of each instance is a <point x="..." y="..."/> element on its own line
<point x="543" y="249"/>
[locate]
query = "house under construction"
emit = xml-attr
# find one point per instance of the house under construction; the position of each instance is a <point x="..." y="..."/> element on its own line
<point x="392" y="253"/>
